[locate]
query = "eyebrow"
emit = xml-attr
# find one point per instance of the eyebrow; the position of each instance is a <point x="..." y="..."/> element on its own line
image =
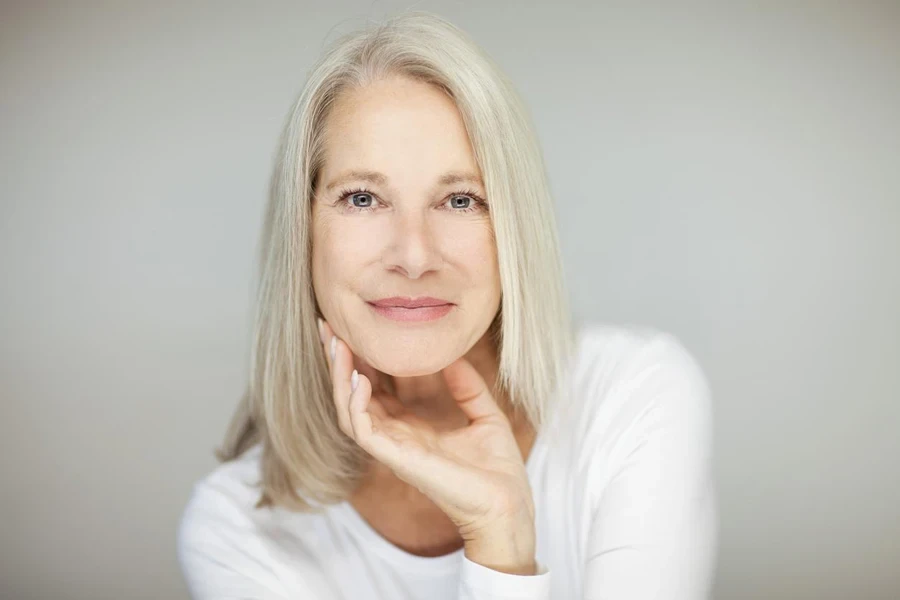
<point x="375" y="177"/>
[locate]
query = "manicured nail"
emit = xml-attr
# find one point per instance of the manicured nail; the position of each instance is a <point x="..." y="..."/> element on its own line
<point x="354" y="380"/>
<point x="321" y="330"/>
<point x="333" y="346"/>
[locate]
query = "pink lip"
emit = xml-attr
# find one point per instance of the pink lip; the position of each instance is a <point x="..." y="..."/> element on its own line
<point x="409" y="309"/>
<point x="405" y="302"/>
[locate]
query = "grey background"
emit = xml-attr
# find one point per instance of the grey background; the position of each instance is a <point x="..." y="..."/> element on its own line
<point x="729" y="173"/>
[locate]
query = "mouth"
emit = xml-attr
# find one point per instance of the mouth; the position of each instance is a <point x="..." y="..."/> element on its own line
<point x="411" y="309"/>
<point x="407" y="302"/>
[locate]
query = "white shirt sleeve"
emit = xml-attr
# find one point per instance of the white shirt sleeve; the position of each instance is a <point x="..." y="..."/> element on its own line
<point x="653" y="533"/>
<point x="477" y="582"/>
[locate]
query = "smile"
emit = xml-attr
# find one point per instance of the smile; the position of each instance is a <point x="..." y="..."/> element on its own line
<point x="423" y="313"/>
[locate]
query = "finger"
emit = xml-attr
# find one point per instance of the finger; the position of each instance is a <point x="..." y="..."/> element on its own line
<point x="358" y="410"/>
<point x="372" y="373"/>
<point x="468" y="388"/>
<point x="373" y="406"/>
<point x="377" y="432"/>
<point x="340" y="383"/>
<point x="325" y="335"/>
<point x="341" y="371"/>
<point x="381" y="395"/>
<point x="369" y="427"/>
<point x="378" y="435"/>
<point x="343" y="416"/>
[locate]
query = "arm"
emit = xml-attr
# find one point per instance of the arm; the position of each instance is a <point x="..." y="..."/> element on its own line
<point x="653" y="533"/>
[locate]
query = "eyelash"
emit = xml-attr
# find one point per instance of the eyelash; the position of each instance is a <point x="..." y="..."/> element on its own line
<point x="478" y="201"/>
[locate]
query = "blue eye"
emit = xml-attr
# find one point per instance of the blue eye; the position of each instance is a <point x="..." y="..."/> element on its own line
<point x="362" y="200"/>
<point x="355" y="196"/>
<point x="460" y="197"/>
<point x="471" y="202"/>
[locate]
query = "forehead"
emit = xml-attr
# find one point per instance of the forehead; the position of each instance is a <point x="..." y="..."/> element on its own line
<point x="400" y="127"/>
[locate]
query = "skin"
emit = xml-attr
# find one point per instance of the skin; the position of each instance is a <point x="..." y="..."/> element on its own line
<point x="416" y="396"/>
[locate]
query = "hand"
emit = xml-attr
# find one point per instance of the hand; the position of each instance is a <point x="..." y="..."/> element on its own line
<point x="474" y="474"/>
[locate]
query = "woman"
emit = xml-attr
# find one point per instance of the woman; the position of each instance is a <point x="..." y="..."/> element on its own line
<point x="423" y="421"/>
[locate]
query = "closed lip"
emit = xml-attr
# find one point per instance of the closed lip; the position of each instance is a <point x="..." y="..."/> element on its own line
<point x="406" y="302"/>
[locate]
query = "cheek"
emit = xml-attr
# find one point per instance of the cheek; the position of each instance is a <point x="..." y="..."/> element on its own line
<point x="478" y="253"/>
<point x="328" y="254"/>
<point x="481" y="246"/>
<point x="339" y="248"/>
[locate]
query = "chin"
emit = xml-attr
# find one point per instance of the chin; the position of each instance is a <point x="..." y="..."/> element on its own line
<point x="413" y="367"/>
<point x="410" y="362"/>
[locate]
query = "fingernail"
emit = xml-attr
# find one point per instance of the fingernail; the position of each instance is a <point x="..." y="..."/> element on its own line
<point x="354" y="380"/>
<point x="321" y="330"/>
<point x="333" y="346"/>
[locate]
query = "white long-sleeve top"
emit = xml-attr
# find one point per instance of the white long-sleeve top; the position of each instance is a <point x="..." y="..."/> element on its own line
<point x="624" y="498"/>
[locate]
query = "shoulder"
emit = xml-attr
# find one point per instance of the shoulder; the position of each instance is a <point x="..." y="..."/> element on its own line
<point x="227" y="547"/>
<point x="627" y="381"/>
<point x="226" y="494"/>
<point x="639" y="362"/>
<point x="610" y="358"/>
<point x="232" y="487"/>
<point x="221" y="536"/>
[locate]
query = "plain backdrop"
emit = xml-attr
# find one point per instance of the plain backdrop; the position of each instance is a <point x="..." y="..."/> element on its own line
<point x="729" y="173"/>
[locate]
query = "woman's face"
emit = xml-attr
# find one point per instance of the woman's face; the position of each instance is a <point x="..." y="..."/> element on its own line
<point x="398" y="212"/>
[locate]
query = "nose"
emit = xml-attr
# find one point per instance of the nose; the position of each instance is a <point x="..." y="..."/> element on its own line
<point x="413" y="248"/>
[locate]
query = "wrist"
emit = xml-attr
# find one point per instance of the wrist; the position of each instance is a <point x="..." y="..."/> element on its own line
<point x="508" y="547"/>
